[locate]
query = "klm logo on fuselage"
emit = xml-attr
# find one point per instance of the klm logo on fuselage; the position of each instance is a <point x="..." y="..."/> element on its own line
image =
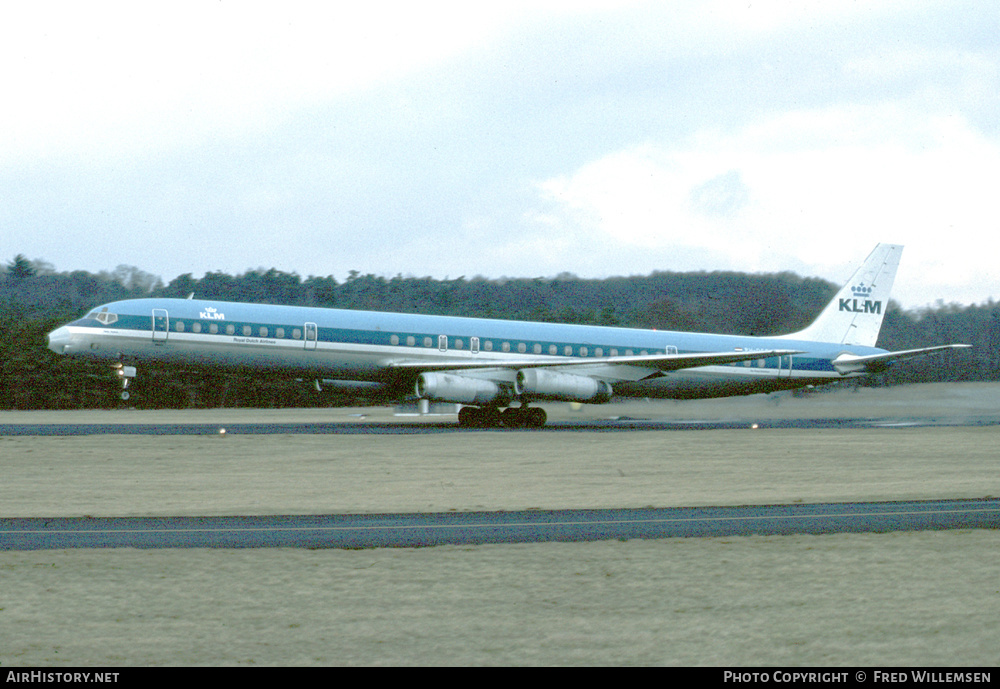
<point x="211" y="314"/>
<point x="860" y="304"/>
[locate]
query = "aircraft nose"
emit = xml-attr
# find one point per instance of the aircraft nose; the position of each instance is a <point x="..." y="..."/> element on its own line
<point x="59" y="340"/>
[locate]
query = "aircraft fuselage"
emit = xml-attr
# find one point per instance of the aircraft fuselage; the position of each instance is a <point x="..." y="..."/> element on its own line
<point x="370" y="346"/>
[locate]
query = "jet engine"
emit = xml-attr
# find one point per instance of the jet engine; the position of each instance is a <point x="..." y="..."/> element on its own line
<point x="540" y="383"/>
<point x="446" y="387"/>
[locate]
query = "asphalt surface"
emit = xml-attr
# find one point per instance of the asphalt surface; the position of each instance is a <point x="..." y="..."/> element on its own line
<point x="412" y="530"/>
<point x="403" y="427"/>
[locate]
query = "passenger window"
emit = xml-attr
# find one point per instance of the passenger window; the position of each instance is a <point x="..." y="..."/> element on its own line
<point x="196" y="327"/>
<point x="411" y="340"/>
<point x="553" y="349"/>
<point x="567" y="350"/>
<point x="506" y="346"/>
<point x="263" y="331"/>
<point x="394" y="339"/>
<point x="458" y="344"/>
<point x="230" y="329"/>
<point x="213" y="328"/>
<point x="179" y="326"/>
<point x="247" y="331"/>
<point x="537" y="349"/>
<point x="279" y="333"/>
<point x="428" y="342"/>
<point x="488" y="345"/>
<point x="583" y="351"/>
<point x="599" y="351"/>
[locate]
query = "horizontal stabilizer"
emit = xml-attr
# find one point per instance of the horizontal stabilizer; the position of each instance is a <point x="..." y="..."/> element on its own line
<point x="873" y="363"/>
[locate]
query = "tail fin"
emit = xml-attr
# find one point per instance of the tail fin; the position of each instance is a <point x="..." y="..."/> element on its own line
<point x="854" y="317"/>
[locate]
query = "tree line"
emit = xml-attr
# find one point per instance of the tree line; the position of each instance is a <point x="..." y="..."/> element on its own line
<point x="35" y="299"/>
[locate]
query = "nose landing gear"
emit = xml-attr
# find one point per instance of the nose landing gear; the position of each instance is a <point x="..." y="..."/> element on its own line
<point x="126" y="374"/>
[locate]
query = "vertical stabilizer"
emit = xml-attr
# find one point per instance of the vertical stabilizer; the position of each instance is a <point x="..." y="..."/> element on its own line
<point x="854" y="317"/>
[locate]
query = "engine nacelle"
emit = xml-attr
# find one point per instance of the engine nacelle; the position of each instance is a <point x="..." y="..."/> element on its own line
<point x="446" y="387"/>
<point x="540" y="383"/>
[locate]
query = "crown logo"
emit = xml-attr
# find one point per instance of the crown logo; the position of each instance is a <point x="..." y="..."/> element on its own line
<point x="860" y="291"/>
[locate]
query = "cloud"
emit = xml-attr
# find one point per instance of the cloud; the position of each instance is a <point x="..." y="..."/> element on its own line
<point x="136" y="77"/>
<point x="823" y="185"/>
<point x="723" y="195"/>
<point x="504" y="139"/>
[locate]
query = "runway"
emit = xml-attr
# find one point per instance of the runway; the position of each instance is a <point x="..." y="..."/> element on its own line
<point x="424" y="427"/>
<point x="467" y="528"/>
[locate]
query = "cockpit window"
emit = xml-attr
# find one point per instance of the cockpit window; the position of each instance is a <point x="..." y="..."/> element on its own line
<point x="103" y="316"/>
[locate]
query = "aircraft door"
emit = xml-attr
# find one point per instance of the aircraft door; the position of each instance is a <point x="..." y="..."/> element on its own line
<point x="312" y="336"/>
<point x="161" y="325"/>
<point x="785" y="366"/>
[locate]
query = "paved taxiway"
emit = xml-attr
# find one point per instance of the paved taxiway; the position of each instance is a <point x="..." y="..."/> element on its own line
<point x="410" y="530"/>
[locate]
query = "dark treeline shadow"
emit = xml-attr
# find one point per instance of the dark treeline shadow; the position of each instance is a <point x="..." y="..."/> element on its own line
<point x="34" y="299"/>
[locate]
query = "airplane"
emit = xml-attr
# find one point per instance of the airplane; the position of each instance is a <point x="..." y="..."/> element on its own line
<point x="488" y="365"/>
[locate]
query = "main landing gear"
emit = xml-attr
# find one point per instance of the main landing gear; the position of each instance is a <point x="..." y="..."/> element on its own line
<point x="511" y="417"/>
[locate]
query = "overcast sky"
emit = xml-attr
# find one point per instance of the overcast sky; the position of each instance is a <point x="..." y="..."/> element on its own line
<point x="505" y="139"/>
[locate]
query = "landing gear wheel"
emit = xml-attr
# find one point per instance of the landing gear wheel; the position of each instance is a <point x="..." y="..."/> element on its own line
<point x="535" y="417"/>
<point x="512" y="418"/>
<point x="490" y="417"/>
<point x="468" y="417"/>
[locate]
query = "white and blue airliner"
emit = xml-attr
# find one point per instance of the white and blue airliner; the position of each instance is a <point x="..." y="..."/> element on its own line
<point x="489" y="365"/>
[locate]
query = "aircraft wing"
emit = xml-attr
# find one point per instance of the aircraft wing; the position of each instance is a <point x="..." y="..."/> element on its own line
<point x="661" y="362"/>
<point x="872" y="363"/>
